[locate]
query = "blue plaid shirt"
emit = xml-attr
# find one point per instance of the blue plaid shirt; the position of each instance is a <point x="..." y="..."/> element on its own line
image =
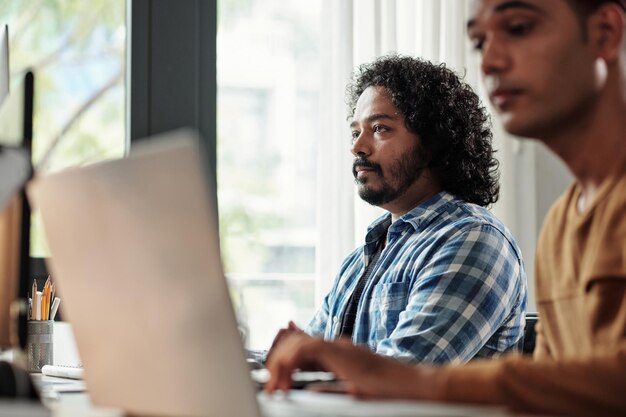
<point x="449" y="286"/>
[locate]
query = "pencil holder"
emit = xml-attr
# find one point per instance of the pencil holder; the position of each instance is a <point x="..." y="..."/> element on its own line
<point x="39" y="344"/>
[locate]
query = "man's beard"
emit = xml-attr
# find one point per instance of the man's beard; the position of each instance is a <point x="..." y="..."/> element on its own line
<point x="402" y="173"/>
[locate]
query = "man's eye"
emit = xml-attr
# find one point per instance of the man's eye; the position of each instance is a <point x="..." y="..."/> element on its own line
<point x="380" y="129"/>
<point x="520" y="28"/>
<point x="355" y="135"/>
<point x="476" y="37"/>
<point x="477" y="43"/>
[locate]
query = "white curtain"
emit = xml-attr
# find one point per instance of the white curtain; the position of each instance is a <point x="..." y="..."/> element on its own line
<point x="335" y="205"/>
<point x="360" y="31"/>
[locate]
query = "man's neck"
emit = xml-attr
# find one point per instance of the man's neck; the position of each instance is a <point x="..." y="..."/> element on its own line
<point x="423" y="189"/>
<point x="594" y="146"/>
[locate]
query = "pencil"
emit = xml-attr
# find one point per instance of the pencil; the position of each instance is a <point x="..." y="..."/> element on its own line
<point x="38" y="306"/>
<point x="55" y="307"/>
<point x="46" y="300"/>
<point x="47" y="310"/>
<point x="33" y="294"/>
<point x="43" y="301"/>
<point x="52" y="294"/>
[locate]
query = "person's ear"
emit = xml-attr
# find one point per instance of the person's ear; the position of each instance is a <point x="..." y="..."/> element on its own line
<point x="607" y="31"/>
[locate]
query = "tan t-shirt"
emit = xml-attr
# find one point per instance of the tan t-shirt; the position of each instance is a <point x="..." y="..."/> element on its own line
<point x="579" y="365"/>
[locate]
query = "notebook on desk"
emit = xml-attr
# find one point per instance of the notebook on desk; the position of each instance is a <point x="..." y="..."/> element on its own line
<point x="135" y="254"/>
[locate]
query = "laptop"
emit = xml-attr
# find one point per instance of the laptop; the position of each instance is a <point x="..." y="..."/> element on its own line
<point x="135" y="255"/>
<point x="136" y="259"/>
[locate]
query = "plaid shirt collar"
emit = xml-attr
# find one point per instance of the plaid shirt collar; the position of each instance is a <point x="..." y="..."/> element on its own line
<point x="417" y="218"/>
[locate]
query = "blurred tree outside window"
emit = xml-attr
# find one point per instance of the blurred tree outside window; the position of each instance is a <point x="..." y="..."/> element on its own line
<point x="268" y="65"/>
<point x="77" y="51"/>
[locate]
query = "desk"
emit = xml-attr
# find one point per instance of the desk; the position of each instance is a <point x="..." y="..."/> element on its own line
<point x="311" y="404"/>
<point x="79" y="405"/>
<point x="69" y="403"/>
<point x="300" y="404"/>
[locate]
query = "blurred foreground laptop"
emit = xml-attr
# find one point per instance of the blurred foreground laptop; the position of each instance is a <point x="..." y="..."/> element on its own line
<point x="136" y="258"/>
<point x="135" y="253"/>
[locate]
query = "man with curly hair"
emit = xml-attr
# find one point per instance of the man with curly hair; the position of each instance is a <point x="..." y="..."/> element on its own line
<point x="439" y="278"/>
<point x="555" y="71"/>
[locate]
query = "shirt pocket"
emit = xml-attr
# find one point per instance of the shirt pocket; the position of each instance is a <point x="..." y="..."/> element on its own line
<point x="387" y="302"/>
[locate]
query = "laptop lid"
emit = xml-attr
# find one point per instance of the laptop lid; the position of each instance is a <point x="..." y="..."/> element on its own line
<point x="135" y="254"/>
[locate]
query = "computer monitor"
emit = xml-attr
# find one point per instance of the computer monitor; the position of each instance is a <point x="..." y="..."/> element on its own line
<point x="16" y="132"/>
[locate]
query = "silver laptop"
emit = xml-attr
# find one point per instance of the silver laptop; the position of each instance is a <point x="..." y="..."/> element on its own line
<point x="135" y="255"/>
<point x="134" y="251"/>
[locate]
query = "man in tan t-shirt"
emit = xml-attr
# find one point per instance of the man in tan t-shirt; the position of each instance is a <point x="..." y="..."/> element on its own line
<point x="555" y="71"/>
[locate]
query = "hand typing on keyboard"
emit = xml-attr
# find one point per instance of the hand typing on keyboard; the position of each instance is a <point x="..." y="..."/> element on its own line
<point x="282" y="334"/>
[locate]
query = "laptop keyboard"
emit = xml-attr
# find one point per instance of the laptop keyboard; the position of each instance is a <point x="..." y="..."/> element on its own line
<point x="299" y="379"/>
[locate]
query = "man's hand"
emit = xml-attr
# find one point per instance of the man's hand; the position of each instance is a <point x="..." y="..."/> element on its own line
<point x="365" y="374"/>
<point x="282" y="333"/>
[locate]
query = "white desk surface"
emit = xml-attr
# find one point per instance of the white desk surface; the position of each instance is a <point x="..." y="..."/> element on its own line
<point x="300" y="404"/>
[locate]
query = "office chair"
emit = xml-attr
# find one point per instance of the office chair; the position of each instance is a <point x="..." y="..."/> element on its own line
<point x="527" y="345"/>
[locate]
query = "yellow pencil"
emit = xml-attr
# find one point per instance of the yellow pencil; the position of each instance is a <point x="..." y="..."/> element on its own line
<point x="45" y="301"/>
<point x="48" y="301"/>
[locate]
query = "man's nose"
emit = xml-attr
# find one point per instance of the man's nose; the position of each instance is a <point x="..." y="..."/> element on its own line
<point x="494" y="57"/>
<point x="361" y="145"/>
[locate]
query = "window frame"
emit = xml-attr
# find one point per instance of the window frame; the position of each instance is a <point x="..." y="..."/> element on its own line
<point x="162" y="96"/>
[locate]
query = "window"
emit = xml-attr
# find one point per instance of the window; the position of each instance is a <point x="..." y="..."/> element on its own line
<point x="76" y="50"/>
<point x="268" y="66"/>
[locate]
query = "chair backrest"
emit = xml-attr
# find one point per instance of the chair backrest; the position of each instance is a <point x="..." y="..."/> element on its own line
<point x="528" y="341"/>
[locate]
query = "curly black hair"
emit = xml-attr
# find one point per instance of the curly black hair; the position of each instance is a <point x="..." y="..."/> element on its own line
<point x="453" y="125"/>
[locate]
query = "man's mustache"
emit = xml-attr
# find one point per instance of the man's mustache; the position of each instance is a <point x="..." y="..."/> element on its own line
<point x="362" y="162"/>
